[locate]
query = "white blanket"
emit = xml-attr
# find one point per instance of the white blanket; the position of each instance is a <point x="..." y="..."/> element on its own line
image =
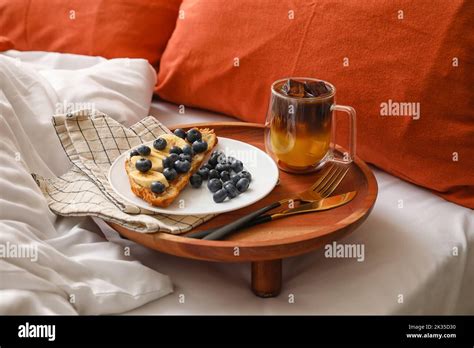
<point x="50" y="264"/>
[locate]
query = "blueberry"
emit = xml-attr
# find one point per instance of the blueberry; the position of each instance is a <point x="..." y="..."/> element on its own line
<point x="227" y="182"/>
<point x="193" y="135"/>
<point x="160" y="144"/>
<point x="214" y="174"/>
<point x="180" y="133"/>
<point x="245" y="174"/>
<point x="157" y="187"/>
<point x="237" y="166"/>
<point x="243" y="184"/>
<point x="174" y="157"/>
<point x="235" y="178"/>
<point x="232" y="191"/>
<point x="170" y="174"/>
<point x="184" y="157"/>
<point x="199" y="146"/>
<point x="196" y="180"/>
<point x="217" y="153"/>
<point x="213" y="160"/>
<point x="176" y="149"/>
<point x="143" y="165"/>
<point x="221" y="158"/>
<point x="134" y="153"/>
<point x="224" y="166"/>
<point x="168" y="162"/>
<point x="225" y="176"/>
<point x="219" y="196"/>
<point x="188" y="150"/>
<point x="182" y="166"/>
<point x="204" y="172"/>
<point x="143" y="150"/>
<point x="209" y="166"/>
<point x="217" y="157"/>
<point x="231" y="159"/>
<point x="214" y="185"/>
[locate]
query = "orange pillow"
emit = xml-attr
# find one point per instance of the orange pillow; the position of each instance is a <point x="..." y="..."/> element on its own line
<point x="224" y="55"/>
<point x="5" y="44"/>
<point x="108" y="28"/>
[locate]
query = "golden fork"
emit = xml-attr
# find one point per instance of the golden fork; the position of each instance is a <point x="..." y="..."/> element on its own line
<point x="330" y="178"/>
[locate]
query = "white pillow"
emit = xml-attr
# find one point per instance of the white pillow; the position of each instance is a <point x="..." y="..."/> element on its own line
<point x="121" y="88"/>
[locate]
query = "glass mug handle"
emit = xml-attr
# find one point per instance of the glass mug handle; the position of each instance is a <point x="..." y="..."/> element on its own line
<point x="348" y="157"/>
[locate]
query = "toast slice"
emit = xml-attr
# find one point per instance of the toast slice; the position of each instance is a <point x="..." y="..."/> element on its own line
<point x="171" y="192"/>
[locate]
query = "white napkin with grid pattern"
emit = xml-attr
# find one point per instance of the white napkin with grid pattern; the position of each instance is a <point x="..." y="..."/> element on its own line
<point x="92" y="141"/>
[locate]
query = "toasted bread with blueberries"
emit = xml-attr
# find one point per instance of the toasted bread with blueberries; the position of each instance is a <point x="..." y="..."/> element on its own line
<point x="159" y="171"/>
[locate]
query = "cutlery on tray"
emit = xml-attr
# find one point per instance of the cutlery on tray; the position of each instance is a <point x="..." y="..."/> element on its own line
<point x="324" y="186"/>
<point x="321" y="205"/>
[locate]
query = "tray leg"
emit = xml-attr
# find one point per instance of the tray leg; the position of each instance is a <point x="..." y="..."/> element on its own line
<point x="266" y="278"/>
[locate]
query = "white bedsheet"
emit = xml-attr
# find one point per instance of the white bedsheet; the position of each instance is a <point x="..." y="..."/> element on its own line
<point x="419" y="255"/>
<point x="65" y="265"/>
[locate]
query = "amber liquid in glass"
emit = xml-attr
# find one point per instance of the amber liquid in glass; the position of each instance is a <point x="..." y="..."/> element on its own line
<point x="300" y="132"/>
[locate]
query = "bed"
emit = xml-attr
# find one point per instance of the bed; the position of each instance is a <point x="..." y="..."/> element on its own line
<point x="419" y="255"/>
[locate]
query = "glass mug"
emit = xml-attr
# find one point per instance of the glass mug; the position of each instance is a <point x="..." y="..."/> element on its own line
<point x="300" y="129"/>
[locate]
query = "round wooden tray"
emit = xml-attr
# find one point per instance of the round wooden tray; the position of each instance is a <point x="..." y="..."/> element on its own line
<point x="267" y="244"/>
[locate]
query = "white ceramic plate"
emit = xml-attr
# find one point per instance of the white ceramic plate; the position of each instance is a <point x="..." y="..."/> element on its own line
<point x="199" y="201"/>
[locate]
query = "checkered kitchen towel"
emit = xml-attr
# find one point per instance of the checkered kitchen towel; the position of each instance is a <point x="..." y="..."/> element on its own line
<point x="92" y="141"/>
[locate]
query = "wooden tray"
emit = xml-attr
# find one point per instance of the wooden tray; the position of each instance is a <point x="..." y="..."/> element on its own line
<point x="266" y="245"/>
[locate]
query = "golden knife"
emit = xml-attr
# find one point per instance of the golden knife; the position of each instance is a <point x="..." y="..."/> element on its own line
<point x="320" y="205"/>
